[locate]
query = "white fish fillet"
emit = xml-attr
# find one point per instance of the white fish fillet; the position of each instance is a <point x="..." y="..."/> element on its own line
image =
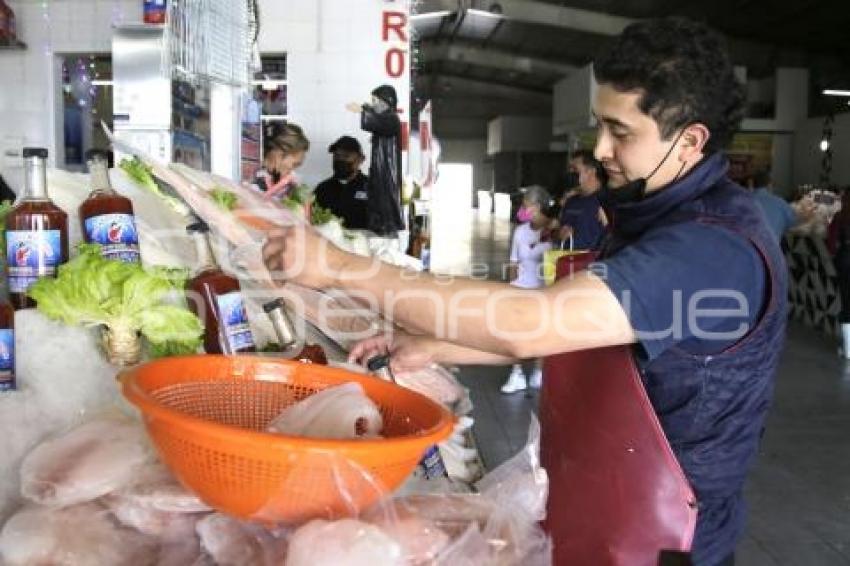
<point x="88" y="462"/>
<point x="344" y="411"/>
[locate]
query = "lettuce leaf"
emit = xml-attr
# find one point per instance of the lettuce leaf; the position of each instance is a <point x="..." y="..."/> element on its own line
<point x="142" y="175"/>
<point x="90" y="291"/>
<point x="224" y="198"/>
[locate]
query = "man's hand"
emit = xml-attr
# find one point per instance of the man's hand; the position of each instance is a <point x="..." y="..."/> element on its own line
<point x="407" y="352"/>
<point x="300" y="255"/>
<point x="354" y="107"/>
<point x="566" y="232"/>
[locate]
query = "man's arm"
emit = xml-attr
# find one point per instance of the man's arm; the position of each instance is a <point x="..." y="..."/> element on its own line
<point x="573" y="314"/>
<point x="411" y="353"/>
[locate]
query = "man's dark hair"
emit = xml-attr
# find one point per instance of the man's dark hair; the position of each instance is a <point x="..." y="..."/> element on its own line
<point x="586" y="156"/>
<point x="683" y="69"/>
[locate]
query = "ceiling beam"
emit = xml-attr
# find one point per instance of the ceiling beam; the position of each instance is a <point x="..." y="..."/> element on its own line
<point x="532" y="12"/>
<point x="502" y="60"/>
<point x="481" y="87"/>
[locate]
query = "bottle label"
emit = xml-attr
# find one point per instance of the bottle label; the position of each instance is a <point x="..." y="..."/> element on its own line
<point x="234" y="321"/>
<point x="7" y="359"/>
<point x="432" y="464"/>
<point x="31" y="255"/>
<point x="117" y="235"/>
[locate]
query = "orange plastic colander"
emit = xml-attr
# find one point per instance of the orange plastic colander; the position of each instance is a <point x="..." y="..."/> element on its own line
<point x="207" y="416"/>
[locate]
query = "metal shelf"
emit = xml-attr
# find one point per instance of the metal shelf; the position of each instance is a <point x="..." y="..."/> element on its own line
<point x="18" y="45"/>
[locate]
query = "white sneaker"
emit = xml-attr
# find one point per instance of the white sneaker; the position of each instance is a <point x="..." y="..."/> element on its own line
<point x="516" y="382"/>
<point x="536" y="379"/>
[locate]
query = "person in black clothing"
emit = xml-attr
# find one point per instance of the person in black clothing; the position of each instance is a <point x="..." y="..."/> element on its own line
<point x="381" y="119"/>
<point x="6" y="192"/>
<point x="346" y="194"/>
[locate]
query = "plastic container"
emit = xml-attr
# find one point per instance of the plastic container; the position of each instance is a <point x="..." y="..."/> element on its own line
<point x="207" y="416"/>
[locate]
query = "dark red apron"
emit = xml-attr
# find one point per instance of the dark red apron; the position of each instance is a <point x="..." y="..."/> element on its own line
<point x="617" y="493"/>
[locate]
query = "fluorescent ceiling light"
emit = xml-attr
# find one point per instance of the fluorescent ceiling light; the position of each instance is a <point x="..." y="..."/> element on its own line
<point x="428" y="15"/>
<point x="98" y="82"/>
<point x="837" y="92"/>
<point x="483" y="13"/>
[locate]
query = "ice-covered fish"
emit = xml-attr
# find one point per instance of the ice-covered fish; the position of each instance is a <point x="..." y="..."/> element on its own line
<point x="233" y="543"/>
<point x="349" y="541"/>
<point x="155" y="487"/>
<point x="80" y="535"/>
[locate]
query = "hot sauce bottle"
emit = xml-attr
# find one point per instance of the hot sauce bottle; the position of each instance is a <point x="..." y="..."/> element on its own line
<point x="216" y="298"/>
<point x="36" y="232"/>
<point x="107" y="217"/>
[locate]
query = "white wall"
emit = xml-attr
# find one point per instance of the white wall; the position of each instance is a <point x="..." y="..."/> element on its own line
<point x="335" y="55"/>
<point x="29" y="97"/>
<point x="807" y="154"/>
<point x="472" y="151"/>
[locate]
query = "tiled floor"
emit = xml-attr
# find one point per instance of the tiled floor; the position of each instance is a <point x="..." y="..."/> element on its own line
<point x="799" y="491"/>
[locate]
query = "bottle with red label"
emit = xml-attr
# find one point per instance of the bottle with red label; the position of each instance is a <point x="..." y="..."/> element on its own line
<point x="8" y="31"/>
<point x="154" y="11"/>
<point x="36" y="232"/>
<point x="7" y="346"/>
<point x="216" y="298"/>
<point x="106" y="217"/>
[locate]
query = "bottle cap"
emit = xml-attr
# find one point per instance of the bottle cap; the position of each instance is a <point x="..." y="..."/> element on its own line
<point x="272" y="305"/>
<point x="199" y="227"/>
<point x="378" y="362"/>
<point x="93" y="154"/>
<point x="35" y="152"/>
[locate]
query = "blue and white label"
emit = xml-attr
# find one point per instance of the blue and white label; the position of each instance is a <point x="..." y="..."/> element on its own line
<point x="234" y="321"/>
<point x="116" y="234"/>
<point x="31" y="255"/>
<point x="432" y="464"/>
<point x="7" y="359"/>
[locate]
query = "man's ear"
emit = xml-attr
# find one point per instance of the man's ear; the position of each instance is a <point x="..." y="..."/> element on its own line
<point x="693" y="142"/>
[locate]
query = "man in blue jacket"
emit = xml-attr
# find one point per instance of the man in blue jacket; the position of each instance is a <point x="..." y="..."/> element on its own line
<point x="691" y="275"/>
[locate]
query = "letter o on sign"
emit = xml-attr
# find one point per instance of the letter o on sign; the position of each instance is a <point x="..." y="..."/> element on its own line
<point x="395" y="62"/>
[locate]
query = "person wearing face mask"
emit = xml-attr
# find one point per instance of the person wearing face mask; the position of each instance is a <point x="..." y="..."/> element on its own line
<point x="582" y="218"/>
<point x="681" y="320"/>
<point x="528" y="244"/>
<point x="346" y="193"/>
<point x="381" y="119"/>
<point x="285" y="149"/>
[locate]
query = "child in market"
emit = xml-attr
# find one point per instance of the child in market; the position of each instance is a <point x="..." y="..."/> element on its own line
<point x="530" y="242"/>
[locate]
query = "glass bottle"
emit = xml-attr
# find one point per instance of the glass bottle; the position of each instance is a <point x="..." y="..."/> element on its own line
<point x="7" y="346"/>
<point x="290" y="345"/>
<point x="106" y="217"/>
<point x="216" y="298"/>
<point x="36" y="232"/>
